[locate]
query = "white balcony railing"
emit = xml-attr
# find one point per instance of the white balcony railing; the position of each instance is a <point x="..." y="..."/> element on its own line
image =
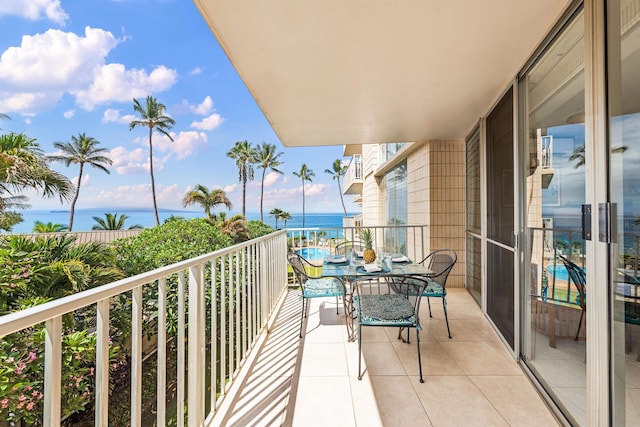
<point x="244" y="283"/>
<point x="353" y="178"/>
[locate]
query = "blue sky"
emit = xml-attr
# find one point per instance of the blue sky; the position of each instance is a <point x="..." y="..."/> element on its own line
<point x="70" y="67"/>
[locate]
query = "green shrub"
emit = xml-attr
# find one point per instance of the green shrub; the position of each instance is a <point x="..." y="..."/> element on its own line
<point x="258" y="229"/>
<point x="167" y="244"/>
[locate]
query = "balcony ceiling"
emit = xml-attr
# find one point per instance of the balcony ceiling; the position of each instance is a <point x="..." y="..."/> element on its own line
<point x="332" y="72"/>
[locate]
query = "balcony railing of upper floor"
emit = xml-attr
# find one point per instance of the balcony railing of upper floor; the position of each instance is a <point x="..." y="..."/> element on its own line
<point x="201" y="319"/>
<point x="353" y="179"/>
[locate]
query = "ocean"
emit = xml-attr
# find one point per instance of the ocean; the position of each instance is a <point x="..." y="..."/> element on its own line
<point x="83" y="218"/>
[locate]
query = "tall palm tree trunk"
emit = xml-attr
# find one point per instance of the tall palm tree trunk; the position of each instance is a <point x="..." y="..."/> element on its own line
<point x="244" y="195"/>
<point x="153" y="182"/>
<point x="341" y="198"/>
<point x="303" y="203"/>
<point x="75" y="198"/>
<point x="262" y="196"/>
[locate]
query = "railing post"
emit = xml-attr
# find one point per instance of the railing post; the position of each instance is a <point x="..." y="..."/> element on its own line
<point x="136" y="357"/>
<point x="162" y="352"/>
<point x="102" y="364"/>
<point x="195" y="351"/>
<point x="181" y="367"/>
<point x="53" y="371"/>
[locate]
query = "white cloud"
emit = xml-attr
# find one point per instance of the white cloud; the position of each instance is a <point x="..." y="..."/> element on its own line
<point x="205" y="107"/>
<point x="135" y="195"/>
<point x="113" y="115"/>
<point x="35" y="75"/>
<point x="208" y="123"/>
<point x="127" y="162"/>
<point x="35" y="9"/>
<point x="196" y="71"/>
<point x="86" y="178"/>
<point x="271" y="179"/>
<point x="27" y="120"/>
<point x="69" y="114"/>
<point x="184" y="143"/>
<point x="113" y="82"/>
<point x="230" y="188"/>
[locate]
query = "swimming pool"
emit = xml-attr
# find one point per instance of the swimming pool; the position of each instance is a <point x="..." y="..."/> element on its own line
<point x="560" y="270"/>
<point x="313" y="253"/>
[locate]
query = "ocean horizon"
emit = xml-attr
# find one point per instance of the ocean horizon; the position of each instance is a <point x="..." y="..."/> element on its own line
<point x="83" y="218"/>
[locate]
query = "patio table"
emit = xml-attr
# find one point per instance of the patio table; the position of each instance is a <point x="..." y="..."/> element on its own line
<point x="353" y="269"/>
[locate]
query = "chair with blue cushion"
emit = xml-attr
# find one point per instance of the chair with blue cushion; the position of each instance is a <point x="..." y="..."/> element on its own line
<point x="394" y="303"/>
<point x="577" y="276"/>
<point x="313" y="286"/>
<point x="441" y="262"/>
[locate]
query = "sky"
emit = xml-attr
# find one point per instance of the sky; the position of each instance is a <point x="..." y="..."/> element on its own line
<point x="72" y="67"/>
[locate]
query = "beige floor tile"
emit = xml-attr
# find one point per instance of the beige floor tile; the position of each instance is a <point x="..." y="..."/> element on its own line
<point x="482" y="358"/>
<point x="462" y="330"/>
<point x="365" y="406"/>
<point x="562" y="372"/>
<point x="323" y="359"/>
<point x="322" y="323"/>
<point x="459" y="296"/>
<point x="263" y="402"/>
<point x="381" y="359"/>
<point x="456" y="401"/>
<point x="323" y="401"/>
<point x="435" y="359"/>
<point x="397" y="402"/>
<point x="515" y="399"/>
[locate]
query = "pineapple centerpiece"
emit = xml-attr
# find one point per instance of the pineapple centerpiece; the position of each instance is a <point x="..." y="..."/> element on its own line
<point x="369" y="255"/>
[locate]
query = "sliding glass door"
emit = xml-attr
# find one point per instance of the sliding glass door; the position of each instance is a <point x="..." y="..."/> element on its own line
<point x="554" y="290"/>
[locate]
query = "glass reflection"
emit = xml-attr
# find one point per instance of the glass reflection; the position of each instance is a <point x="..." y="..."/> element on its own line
<point x="554" y="336"/>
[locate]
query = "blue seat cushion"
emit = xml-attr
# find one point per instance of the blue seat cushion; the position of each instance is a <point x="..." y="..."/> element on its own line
<point x="433" y="289"/>
<point x="385" y="310"/>
<point x="323" y="287"/>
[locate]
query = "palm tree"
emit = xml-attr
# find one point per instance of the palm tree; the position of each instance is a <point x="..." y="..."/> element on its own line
<point x="244" y="155"/>
<point x="578" y="154"/>
<point x="206" y="199"/>
<point x="277" y="214"/>
<point x="285" y="216"/>
<point x="235" y="227"/>
<point x="304" y="174"/>
<point x="49" y="227"/>
<point x="266" y="158"/>
<point x="336" y="173"/>
<point x="23" y="166"/>
<point x="152" y="116"/>
<point x="82" y="149"/>
<point x="113" y="222"/>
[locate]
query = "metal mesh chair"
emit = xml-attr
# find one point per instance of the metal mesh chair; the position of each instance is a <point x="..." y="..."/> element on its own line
<point x="349" y="246"/>
<point x="394" y="303"/>
<point x="313" y="286"/>
<point x="441" y="262"/>
<point x="579" y="279"/>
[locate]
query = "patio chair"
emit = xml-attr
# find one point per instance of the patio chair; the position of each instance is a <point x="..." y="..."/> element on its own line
<point x="394" y="303"/>
<point x="441" y="262"/>
<point x="578" y="277"/>
<point x="351" y="245"/>
<point x="315" y="287"/>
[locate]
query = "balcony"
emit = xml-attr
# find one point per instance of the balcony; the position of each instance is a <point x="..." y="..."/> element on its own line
<point x="353" y="178"/>
<point x="264" y="374"/>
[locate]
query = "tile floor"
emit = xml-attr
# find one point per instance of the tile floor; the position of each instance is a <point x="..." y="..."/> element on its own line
<point x="470" y="380"/>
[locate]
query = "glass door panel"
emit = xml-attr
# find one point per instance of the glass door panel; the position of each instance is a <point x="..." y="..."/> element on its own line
<point x="500" y="217"/>
<point x="623" y="48"/>
<point x="552" y="105"/>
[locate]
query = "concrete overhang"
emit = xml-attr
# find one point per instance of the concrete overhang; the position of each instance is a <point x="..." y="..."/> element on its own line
<point x="336" y="72"/>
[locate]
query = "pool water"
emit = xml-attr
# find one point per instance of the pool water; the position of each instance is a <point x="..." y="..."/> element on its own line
<point x="315" y="254"/>
<point x="560" y="272"/>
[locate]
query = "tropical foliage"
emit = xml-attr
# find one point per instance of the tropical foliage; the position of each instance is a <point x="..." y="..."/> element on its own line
<point x="305" y="174"/>
<point x="338" y="171"/>
<point x="206" y="199"/>
<point x="49" y="227"/>
<point x="23" y="166"/>
<point x="113" y="222"/>
<point x="152" y="116"/>
<point x="266" y="159"/>
<point x="81" y="150"/>
<point x="277" y="214"/>
<point x="244" y="155"/>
